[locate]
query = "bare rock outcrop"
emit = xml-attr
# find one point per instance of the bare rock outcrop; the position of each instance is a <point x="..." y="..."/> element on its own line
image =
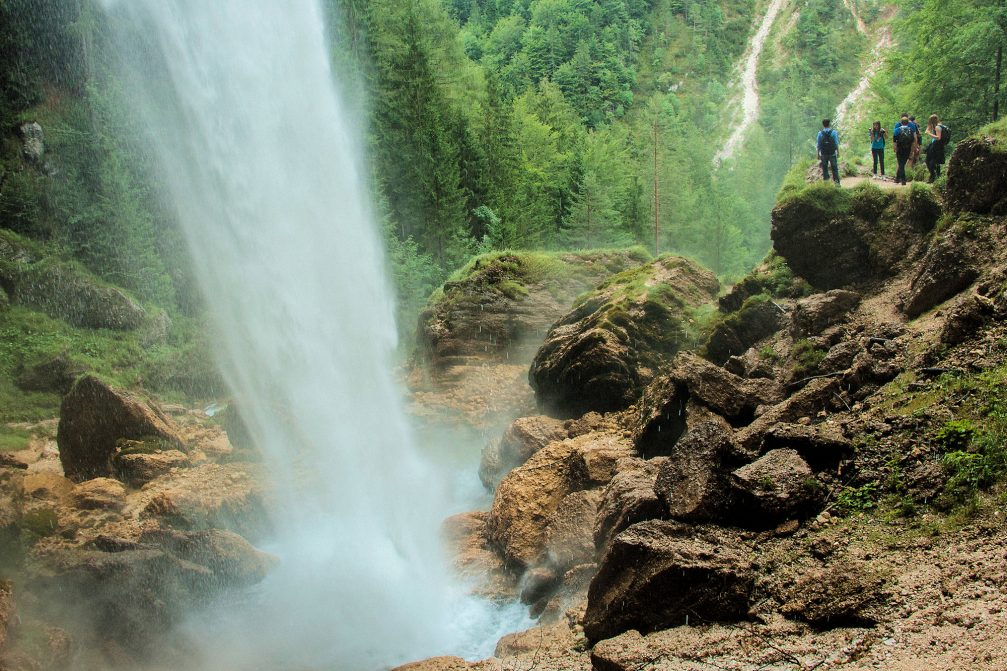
<point x="775" y="486"/>
<point x="657" y="574"/>
<point x="94" y="417"/>
<point x="977" y="175"/>
<point x="524" y="437"/>
<point x="814" y="314"/>
<point x="603" y="353"/>
<point x="629" y="498"/>
<point x="693" y="481"/>
<point x="732" y="397"/>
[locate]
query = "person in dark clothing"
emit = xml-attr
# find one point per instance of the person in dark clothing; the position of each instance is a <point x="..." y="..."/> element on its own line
<point x="905" y="139"/>
<point x="878" y="147"/>
<point x="828" y="150"/>
<point x="935" y="150"/>
<point x="919" y="142"/>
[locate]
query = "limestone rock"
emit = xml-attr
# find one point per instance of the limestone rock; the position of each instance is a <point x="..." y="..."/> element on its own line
<point x="728" y="395"/>
<point x="948" y="268"/>
<point x="569" y="536"/>
<point x="778" y="485"/>
<point x="100" y="493"/>
<point x="977" y="176"/>
<point x="843" y="594"/>
<point x="814" y="397"/>
<point x="692" y="483"/>
<point x="94" y="417"/>
<point x="814" y="314"/>
<point x="657" y="573"/>
<point x="32" y="142"/>
<point x="524" y="437"/>
<point x="756" y="319"/>
<point x="139" y="468"/>
<point x="602" y="354"/>
<point x="629" y="498"/>
<point x="474" y="559"/>
<point x="820" y="445"/>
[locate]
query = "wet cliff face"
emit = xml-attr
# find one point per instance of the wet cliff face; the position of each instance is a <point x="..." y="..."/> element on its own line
<point x="977" y="173"/>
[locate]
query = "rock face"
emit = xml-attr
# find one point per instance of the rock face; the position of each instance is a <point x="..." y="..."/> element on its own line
<point x="569" y="538"/>
<point x="628" y="499"/>
<point x="775" y="486"/>
<point x="847" y="593"/>
<point x="947" y="269"/>
<point x="977" y="176"/>
<point x="755" y="319"/>
<point x="658" y="573"/>
<point x="501" y="305"/>
<point x="835" y="237"/>
<point x="137" y="469"/>
<point x="602" y="354"/>
<point x="728" y="395"/>
<point x="523" y="438"/>
<point x="814" y="314"/>
<point x="94" y="417"/>
<point x="692" y="482"/>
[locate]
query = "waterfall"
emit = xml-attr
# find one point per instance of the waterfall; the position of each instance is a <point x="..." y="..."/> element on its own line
<point x="261" y="165"/>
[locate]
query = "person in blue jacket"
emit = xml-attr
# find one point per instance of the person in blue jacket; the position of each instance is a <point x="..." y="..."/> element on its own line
<point x="828" y="150"/>
<point x="878" y="147"/>
<point x="904" y="139"/>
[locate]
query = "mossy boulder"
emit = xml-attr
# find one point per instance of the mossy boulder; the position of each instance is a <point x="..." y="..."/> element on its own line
<point x="977" y="172"/>
<point x="731" y="335"/>
<point x="602" y="354"/>
<point x="94" y="418"/>
<point x="500" y="305"/>
<point x="836" y="238"/>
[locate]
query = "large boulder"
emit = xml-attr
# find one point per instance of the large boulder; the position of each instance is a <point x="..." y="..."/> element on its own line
<point x="529" y="495"/>
<point x="949" y="267"/>
<point x="778" y="485"/>
<point x="500" y="305"/>
<point x="841" y="237"/>
<point x="602" y="354"/>
<point x="94" y="417"/>
<point x="816" y="396"/>
<point x="629" y="498"/>
<point x="524" y="437"/>
<point x="658" y="574"/>
<point x="693" y="481"/>
<point x="821" y="445"/>
<point x="757" y="318"/>
<point x="814" y="314"/>
<point x="977" y="173"/>
<point x="732" y="397"/>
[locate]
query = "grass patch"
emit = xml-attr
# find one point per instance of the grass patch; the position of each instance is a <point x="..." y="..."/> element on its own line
<point x="807" y="358"/>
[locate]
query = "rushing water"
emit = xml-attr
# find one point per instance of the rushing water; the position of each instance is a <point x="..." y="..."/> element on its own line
<point x="262" y="167"/>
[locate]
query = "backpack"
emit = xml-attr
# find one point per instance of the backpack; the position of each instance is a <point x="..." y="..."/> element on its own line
<point x="904" y="138"/>
<point x="945" y="134"/>
<point x="828" y="144"/>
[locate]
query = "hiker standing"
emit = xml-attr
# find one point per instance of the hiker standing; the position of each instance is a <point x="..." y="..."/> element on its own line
<point x="904" y="138"/>
<point x="919" y="141"/>
<point x="935" y="150"/>
<point x="878" y="147"/>
<point x="828" y="150"/>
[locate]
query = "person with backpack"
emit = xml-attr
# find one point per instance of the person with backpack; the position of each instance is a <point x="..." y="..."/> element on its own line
<point x="828" y="150"/>
<point x="878" y="147"/>
<point x="935" y="150"/>
<point x="915" y="156"/>
<point x="905" y="139"/>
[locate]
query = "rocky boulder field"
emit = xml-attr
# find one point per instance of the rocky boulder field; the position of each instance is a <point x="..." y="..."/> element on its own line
<point x="812" y="478"/>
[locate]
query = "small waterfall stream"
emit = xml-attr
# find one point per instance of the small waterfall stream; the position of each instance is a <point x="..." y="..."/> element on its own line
<point x="263" y="170"/>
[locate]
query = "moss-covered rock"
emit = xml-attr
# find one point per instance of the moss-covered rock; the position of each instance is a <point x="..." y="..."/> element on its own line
<point x="977" y="172"/>
<point x="757" y="318"/>
<point x="603" y="353"/>
<point x="501" y="304"/>
<point x="836" y="237"/>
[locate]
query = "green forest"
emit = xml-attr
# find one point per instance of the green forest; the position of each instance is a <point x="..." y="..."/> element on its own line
<point x="497" y="124"/>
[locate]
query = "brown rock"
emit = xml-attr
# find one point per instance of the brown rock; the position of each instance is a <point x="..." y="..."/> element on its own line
<point x="821" y="445"/>
<point x="569" y="538"/>
<point x="628" y="499"/>
<point x="231" y="558"/>
<point x="977" y="176"/>
<point x="524" y="437"/>
<point x="52" y="375"/>
<point x="692" y="483"/>
<point x="474" y="558"/>
<point x="94" y="417"/>
<point x="948" y="268"/>
<point x="656" y="574"/>
<point x="843" y="594"/>
<point x="738" y="331"/>
<point x="814" y="314"/>
<point x="137" y="469"/>
<point x="441" y="664"/>
<point x="100" y="493"/>
<point x="777" y="485"/>
<point x="814" y="397"/>
<point x="8" y="610"/>
<point x="728" y="395"/>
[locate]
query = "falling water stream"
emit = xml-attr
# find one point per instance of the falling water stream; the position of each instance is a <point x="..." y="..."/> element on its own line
<point x="262" y="167"/>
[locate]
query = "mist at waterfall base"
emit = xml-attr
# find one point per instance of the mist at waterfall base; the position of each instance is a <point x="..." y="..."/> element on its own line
<point x="259" y="161"/>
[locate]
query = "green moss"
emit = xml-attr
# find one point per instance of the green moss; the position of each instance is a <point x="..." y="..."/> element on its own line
<point x="807" y="358"/>
<point x="13" y="439"/>
<point x="996" y="131"/>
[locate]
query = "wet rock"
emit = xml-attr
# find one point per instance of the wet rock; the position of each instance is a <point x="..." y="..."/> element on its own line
<point x="138" y="468"/>
<point x="570" y="593"/>
<point x="94" y="417"/>
<point x="52" y="375"/>
<point x="661" y="417"/>
<point x="752" y="364"/>
<point x="948" y="268"/>
<point x="100" y="493"/>
<point x="821" y="445"/>
<point x="474" y="559"/>
<point x="777" y="486"/>
<point x="569" y="537"/>
<point x="814" y="314"/>
<point x="538" y="584"/>
<point x="8" y="611"/>
<point x="232" y="559"/>
<point x="840" y="357"/>
<point x="32" y="142"/>
<point x="758" y="318"/>
<point x="658" y="573"/>
<point x="602" y="354"/>
<point x="692" y="483"/>
<point x="977" y="176"/>
<point x="629" y="498"/>
<point x="808" y="402"/>
<point x="843" y="594"/>
<point x="523" y="438"/>
<point x="443" y="664"/>
<point x="726" y="394"/>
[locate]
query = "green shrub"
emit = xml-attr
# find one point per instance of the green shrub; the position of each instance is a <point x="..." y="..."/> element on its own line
<point x="807" y="358"/>
<point x="955" y="435"/>
<point x="858" y="499"/>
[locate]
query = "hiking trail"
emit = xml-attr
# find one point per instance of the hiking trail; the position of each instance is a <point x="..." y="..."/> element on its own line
<point x="850" y="5"/>
<point x="750" y="89"/>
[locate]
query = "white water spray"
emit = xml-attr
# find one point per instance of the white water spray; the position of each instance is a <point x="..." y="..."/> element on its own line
<point x="257" y="157"/>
